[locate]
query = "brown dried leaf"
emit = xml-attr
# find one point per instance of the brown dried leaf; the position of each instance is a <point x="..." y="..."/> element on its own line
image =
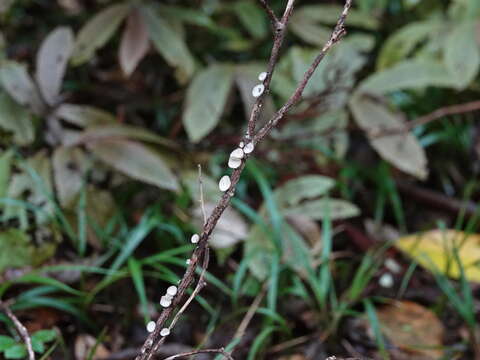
<point x="412" y="328"/>
<point x="52" y="61"/>
<point x="135" y="42"/>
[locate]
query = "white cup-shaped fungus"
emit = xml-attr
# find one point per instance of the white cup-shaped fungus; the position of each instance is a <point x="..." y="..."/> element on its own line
<point x="195" y="238"/>
<point x="151" y="326"/>
<point x="224" y="183"/>
<point x="258" y="90"/>
<point x="248" y="148"/>
<point x="262" y="76"/>
<point x="165" y="332"/>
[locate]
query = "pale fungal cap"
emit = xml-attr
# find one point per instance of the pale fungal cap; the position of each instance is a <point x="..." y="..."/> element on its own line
<point x="172" y="290"/>
<point x="386" y="280"/>
<point x="195" y="238"/>
<point x="248" y="148"/>
<point x="262" y="76"/>
<point x="165" y="332"/>
<point x="151" y="326"/>
<point x="188" y="261"/>
<point x="234" y="163"/>
<point x="224" y="183"/>
<point x="165" y="301"/>
<point x="241" y="144"/>
<point x="258" y="90"/>
<point x="392" y="265"/>
<point x="237" y="153"/>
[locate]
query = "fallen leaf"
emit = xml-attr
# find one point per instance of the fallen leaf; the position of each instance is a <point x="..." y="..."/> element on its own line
<point x="434" y="251"/>
<point x="412" y="328"/>
<point x="134" y="44"/>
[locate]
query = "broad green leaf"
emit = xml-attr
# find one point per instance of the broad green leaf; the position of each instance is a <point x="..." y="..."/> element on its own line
<point x="135" y="160"/>
<point x="252" y="17"/>
<point x="206" y="99"/>
<point x="168" y="43"/>
<point x="33" y="183"/>
<point x="119" y="131"/>
<point x="97" y="31"/>
<point x="16" y="249"/>
<point x="462" y="54"/>
<point x="259" y="250"/>
<point x="6" y="342"/>
<point x="134" y="44"/>
<point x="188" y="15"/>
<point x="15" y="118"/>
<point x="18" y="351"/>
<point x="45" y="335"/>
<point x="84" y="115"/>
<point x="318" y="209"/>
<point x="410" y="74"/>
<point x="401" y="150"/>
<point x="70" y="165"/>
<point x="403" y="42"/>
<point x="312" y="23"/>
<point x="17" y="82"/>
<point x="52" y="59"/>
<point x="5" y="170"/>
<point x="303" y="187"/>
<point x="434" y="250"/>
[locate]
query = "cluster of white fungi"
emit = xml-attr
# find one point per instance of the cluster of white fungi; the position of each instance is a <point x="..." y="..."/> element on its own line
<point x="165" y="302"/>
<point x="234" y="162"/>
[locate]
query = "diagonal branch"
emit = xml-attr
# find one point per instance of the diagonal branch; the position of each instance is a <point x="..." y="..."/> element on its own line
<point x="155" y="339"/>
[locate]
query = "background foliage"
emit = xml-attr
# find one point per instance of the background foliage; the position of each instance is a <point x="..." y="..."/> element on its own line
<point x="107" y="107"/>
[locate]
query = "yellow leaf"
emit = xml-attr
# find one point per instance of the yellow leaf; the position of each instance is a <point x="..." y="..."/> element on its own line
<point x="434" y="250"/>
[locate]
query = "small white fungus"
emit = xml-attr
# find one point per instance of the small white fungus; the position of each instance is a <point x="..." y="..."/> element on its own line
<point x="224" y="183"/>
<point x="195" y="238"/>
<point x="392" y="265"/>
<point x="172" y="290"/>
<point x="237" y="153"/>
<point x="234" y="163"/>
<point x="258" y="90"/>
<point x="165" y="301"/>
<point x="241" y="144"/>
<point x="386" y="280"/>
<point x="248" y="148"/>
<point x="262" y="76"/>
<point x="165" y="332"/>
<point x="151" y="326"/>
<point x="188" y="261"/>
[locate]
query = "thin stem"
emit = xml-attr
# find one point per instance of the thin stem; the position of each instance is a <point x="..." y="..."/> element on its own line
<point x="22" y="330"/>
<point x="205" y="351"/>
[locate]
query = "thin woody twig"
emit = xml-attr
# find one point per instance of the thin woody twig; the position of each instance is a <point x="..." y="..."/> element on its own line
<point x="270" y="12"/>
<point x="423" y="120"/>
<point x="154" y="340"/>
<point x="220" y="351"/>
<point x="20" y="328"/>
